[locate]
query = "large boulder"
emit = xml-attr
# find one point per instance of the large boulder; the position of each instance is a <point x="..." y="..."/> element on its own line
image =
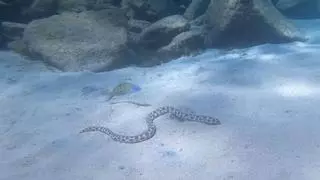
<point x="86" y="41"/>
<point x="250" y="22"/>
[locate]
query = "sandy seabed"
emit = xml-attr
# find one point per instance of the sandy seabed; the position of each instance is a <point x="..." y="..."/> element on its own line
<point x="267" y="98"/>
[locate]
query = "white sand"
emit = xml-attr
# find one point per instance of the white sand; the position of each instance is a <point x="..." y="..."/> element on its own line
<point x="267" y="98"/>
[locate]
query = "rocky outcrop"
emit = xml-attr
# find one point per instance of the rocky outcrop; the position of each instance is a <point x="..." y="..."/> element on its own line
<point x="98" y="35"/>
<point x="90" y="40"/>
<point x="137" y="26"/>
<point x="242" y="23"/>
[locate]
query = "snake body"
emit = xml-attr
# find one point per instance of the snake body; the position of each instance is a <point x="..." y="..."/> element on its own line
<point x="150" y="132"/>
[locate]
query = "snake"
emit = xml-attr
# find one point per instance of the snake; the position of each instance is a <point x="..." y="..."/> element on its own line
<point x="151" y="130"/>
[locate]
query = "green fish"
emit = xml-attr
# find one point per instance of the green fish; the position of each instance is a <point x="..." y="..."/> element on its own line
<point x="122" y="89"/>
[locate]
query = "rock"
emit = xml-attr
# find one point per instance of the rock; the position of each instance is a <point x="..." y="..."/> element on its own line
<point x="162" y="32"/>
<point x="137" y="26"/>
<point x="245" y="23"/>
<point x="199" y="21"/>
<point x="13" y="30"/>
<point x="133" y="38"/>
<point x="186" y="43"/>
<point x="196" y="9"/>
<point x="86" y="41"/>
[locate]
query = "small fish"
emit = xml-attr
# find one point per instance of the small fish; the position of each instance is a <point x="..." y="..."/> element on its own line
<point x="122" y="89"/>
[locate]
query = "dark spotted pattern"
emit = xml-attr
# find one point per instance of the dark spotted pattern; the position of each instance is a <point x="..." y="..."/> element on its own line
<point x="150" y="132"/>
